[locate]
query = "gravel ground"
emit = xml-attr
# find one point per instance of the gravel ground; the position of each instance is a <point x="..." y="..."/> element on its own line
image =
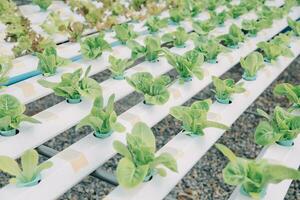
<point x="204" y="181"/>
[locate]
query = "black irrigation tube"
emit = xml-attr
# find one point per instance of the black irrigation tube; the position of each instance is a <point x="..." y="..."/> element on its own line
<point x="99" y="173"/>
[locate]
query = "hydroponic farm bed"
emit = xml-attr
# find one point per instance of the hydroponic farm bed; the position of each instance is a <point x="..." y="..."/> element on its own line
<point x="178" y="99"/>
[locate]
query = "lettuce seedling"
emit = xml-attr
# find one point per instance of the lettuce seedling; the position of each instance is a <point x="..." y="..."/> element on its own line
<point x="291" y="92"/>
<point x="233" y="38"/>
<point x="139" y="163"/>
<point x="151" y="50"/>
<point x="124" y="32"/>
<point x="251" y="26"/>
<point x="5" y="66"/>
<point x="193" y="8"/>
<point x="237" y="10"/>
<point x="186" y="65"/>
<point x="137" y="4"/>
<point x="93" y="47"/>
<point x="218" y="18"/>
<point x="178" y="38"/>
<point x="253" y="175"/>
<point x="177" y="15"/>
<point x="283" y="39"/>
<point x="154" y="24"/>
<point x="29" y="174"/>
<point x="54" y="23"/>
<point x="118" y="66"/>
<point x="73" y="86"/>
<point x="154" y="89"/>
<point x="203" y="27"/>
<point x="49" y="61"/>
<point x="75" y="31"/>
<point x="251" y="65"/>
<point x="43" y="4"/>
<point x="282" y="128"/>
<point x="295" y="26"/>
<point x="12" y="114"/>
<point x="225" y="88"/>
<point x="103" y="120"/>
<point x="272" y="51"/>
<point x="194" y="118"/>
<point x="209" y="47"/>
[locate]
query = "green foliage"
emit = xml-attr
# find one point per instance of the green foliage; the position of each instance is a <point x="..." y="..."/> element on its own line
<point x="49" y="61"/>
<point x="118" y="66"/>
<point x="236" y="11"/>
<point x="150" y="51"/>
<point x="29" y="170"/>
<point x="139" y="159"/>
<point x="154" y="24"/>
<point x="74" y="85"/>
<point x="289" y="91"/>
<point x="75" y="31"/>
<point x="102" y="119"/>
<point x="124" y="32"/>
<point x="54" y="23"/>
<point x="234" y="37"/>
<point x="252" y="64"/>
<point x="93" y="47"/>
<point x="295" y="26"/>
<point x="5" y="66"/>
<point x="218" y="18"/>
<point x="178" y="38"/>
<point x="203" y="27"/>
<point x="186" y="65"/>
<point x="177" y="15"/>
<point x="154" y="89"/>
<point x="43" y="4"/>
<point x="225" y="88"/>
<point x="281" y="126"/>
<point x="11" y="113"/>
<point x="194" y="118"/>
<point x="254" y="175"/>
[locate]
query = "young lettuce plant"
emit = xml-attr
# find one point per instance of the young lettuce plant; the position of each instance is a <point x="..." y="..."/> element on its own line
<point x="43" y="4"/>
<point x="186" y="65"/>
<point x="5" y="66"/>
<point x="29" y="174"/>
<point x="271" y="51"/>
<point x="93" y="47"/>
<point x="11" y="115"/>
<point x="139" y="163"/>
<point x="251" y="26"/>
<point x="283" y="39"/>
<point x="75" y="31"/>
<point x="124" y="32"/>
<point x="251" y="65"/>
<point x="225" y="88"/>
<point x="281" y="128"/>
<point x="118" y="66"/>
<point x="177" y="15"/>
<point x="178" y="38"/>
<point x="49" y="61"/>
<point x="253" y="175"/>
<point x="73" y="86"/>
<point x="103" y="120"/>
<point x="194" y="118"/>
<point x="237" y="10"/>
<point x="154" y="24"/>
<point x="154" y="89"/>
<point x="295" y="26"/>
<point x="151" y="50"/>
<point x="203" y="27"/>
<point x="233" y="38"/>
<point x="219" y="18"/>
<point x="291" y="92"/>
<point x="209" y="47"/>
<point x="54" y="24"/>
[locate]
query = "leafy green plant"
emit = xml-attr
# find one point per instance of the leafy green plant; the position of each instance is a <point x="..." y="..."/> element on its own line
<point x="280" y="128"/>
<point x="5" y="66"/>
<point x="73" y="86"/>
<point x="154" y="24"/>
<point x="251" y="65"/>
<point x="103" y="120"/>
<point x="251" y="26"/>
<point x="295" y="26"/>
<point x="272" y="51"/>
<point x="54" y="23"/>
<point x="203" y="27"/>
<point x="283" y="39"/>
<point x="186" y="65"/>
<point x="178" y="38"/>
<point x="290" y="91"/>
<point x="137" y="4"/>
<point x="75" y="31"/>
<point x="253" y="175"/>
<point x="194" y="118"/>
<point x="151" y="50"/>
<point x="154" y="89"/>
<point x="237" y="10"/>
<point x="139" y="162"/>
<point x="225" y="88"/>
<point x="118" y="66"/>
<point x="49" y="61"/>
<point x="177" y="15"/>
<point x="219" y="18"/>
<point x="124" y="32"/>
<point x="11" y="115"/>
<point x="93" y="47"/>
<point x="233" y="38"/>
<point x="43" y="4"/>
<point x="29" y="174"/>
<point x="209" y="47"/>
